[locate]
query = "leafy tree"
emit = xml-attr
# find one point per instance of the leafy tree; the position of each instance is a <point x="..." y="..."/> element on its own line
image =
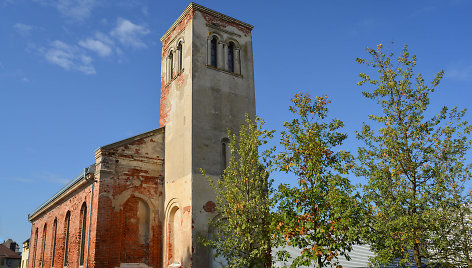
<point x="243" y="201"/>
<point x="318" y="215"/>
<point x="414" y="165"/>
<point x="451" y="234"/>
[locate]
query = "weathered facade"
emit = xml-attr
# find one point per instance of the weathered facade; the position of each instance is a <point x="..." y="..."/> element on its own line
<point x="144" y="202"/>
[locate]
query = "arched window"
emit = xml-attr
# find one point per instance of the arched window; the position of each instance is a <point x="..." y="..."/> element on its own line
<point x="66" y="240"/>
<point x="170" y="61"/>
<point x="83" y="226"/>
<point x="35" y="247"/>
<point x="231" y="57"/>
<point x="53" y="246"/>
<point x="213" y="44"/>
<point x="43" y="247"/>
<point x="180" y="56"/>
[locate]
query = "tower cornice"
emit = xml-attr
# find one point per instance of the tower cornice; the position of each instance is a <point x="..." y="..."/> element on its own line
<point x="192" y="7"/>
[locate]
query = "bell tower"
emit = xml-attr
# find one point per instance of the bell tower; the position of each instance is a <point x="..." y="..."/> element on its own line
<point x="207" y="87"/>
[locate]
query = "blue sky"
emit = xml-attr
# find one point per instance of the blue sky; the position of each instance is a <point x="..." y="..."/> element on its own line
<point x="76" y="75"/>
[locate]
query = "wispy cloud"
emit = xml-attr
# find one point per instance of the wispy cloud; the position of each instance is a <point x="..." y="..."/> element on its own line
<point x="130" y="34"/>
<point x="55" y="178"/>
<point x="460" y="72"/>
<point x="5" y="2"/>
<point x="41" y="177"/>
<point x="69" y="57"/>
<point x="363" y="25"/>
<point x="23" y="180"/>
<point x="423" y="11"/>
<point x="98" y="46"/>
<point x="17" y="74"/>
<point x="23" y="29"/>
<point x="73" y="9"/>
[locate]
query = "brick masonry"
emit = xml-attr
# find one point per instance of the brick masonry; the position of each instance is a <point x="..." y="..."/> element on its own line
<point x="126" y="211"/>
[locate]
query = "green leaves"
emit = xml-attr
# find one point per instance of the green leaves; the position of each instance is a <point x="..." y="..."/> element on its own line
<point x="319" y="215"/>
<point x="413" y="165"/>
<point x="241" y="233"/>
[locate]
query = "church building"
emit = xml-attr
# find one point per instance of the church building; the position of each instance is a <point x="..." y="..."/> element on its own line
<point x="144" y="202"/>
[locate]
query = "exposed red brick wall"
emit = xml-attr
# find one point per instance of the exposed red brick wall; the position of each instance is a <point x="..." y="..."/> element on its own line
<point x="73" y="204"/>
<point x="180" y="27"/>
<point x="127" y="174"/>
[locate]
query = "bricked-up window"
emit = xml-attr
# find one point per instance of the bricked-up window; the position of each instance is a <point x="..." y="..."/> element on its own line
<point x="213" y="45"/>
<point x="35" y="247"/>
<point x="224" y="154"/>
<point x="66" y="236"/>
<point x="231" y="57"/>
<point x="136" y="231"/>
<point x="43" y="247"/>
<point x="53" y="246"/>
<point x="83" y="226"/>
<point x="180" y="57"/>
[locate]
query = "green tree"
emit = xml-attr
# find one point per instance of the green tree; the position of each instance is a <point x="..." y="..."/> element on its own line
<point x="451" y="235"/>
<point x="243" y="201"/>
<point x="414" y="165"/>
<point x="319" y="215"/>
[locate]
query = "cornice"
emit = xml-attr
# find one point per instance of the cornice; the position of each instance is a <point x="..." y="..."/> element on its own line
<point x="196" y="7"/>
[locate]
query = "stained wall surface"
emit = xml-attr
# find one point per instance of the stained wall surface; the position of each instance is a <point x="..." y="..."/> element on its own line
<point x="198" y="105"/>
<point x="129" y="222"/>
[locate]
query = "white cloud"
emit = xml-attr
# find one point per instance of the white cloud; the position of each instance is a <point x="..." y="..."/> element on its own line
<point x="73" y="9"/>
<point x="129" y="34"/>
<point x="97" y="46"/>
<point x="102" y="44"/>
<point x="23" y="29"/>
<point x="69" y="57"/>
<point x="460" y="72"/>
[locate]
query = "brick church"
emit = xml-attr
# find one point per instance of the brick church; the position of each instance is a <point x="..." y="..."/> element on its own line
<point x="144" y="202"/>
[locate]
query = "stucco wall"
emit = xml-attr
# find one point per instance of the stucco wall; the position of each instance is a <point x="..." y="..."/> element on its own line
<point x="197" y="108"/>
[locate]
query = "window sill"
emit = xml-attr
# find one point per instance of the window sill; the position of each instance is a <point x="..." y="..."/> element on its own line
<point x="224" y="71"/>
<point x="175" y="77"/>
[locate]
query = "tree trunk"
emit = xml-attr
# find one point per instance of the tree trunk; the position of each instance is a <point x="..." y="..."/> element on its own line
<point x="416" y="253"/>
<point x="320" y="264"/>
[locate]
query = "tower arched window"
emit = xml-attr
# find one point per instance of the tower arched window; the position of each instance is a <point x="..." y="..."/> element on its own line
<point x="66" y="240"/>
<point x="231" y="57"/>
<point x="83" y="225"/>
<point x="180" y="57"/>
<point x="213" y="45"/>
<point x="170" y="66"/>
